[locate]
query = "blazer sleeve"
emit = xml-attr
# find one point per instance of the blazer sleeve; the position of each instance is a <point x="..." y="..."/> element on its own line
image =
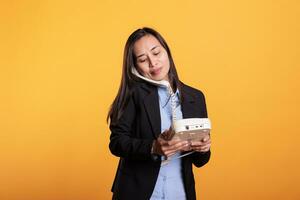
<point x="198" y="158"/>
<point x="122" y="143"/>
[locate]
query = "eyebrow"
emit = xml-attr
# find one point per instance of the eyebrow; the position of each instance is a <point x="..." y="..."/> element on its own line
<point x="150" y="50"/>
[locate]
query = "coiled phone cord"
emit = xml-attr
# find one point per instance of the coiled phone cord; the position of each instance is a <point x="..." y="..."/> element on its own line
<point x="173" y="108"/>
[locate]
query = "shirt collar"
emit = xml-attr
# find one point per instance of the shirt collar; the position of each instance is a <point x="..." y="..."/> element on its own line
<point x="165" y="97"/>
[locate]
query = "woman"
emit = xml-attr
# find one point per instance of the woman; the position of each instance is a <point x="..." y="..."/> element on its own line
<point x="139" y="114"/>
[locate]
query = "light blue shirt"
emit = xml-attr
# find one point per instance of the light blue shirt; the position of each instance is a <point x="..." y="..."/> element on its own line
<point x="169" y="184"/>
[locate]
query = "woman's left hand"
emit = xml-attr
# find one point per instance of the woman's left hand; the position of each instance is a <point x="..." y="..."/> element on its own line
<point x="201" y="146"/>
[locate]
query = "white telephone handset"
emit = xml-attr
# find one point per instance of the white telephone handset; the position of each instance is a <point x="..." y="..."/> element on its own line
<point x="159" y="83"/>
<point x="185" y="129"/>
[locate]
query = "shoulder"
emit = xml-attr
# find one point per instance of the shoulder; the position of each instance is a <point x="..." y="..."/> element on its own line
<point x="140" y="90"/>
<point x="191" y="91"/>
<point x="196" y="97"/>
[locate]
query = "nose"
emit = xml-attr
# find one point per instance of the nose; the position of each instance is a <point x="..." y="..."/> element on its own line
<point x="152" y="61"/>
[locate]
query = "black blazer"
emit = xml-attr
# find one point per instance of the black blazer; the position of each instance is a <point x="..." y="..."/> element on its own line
<point x="132" y="137"/>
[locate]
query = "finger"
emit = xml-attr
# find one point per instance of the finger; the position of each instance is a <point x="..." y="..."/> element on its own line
<point x="171" y="133"/>
<point x="202" y="148"/>
<point x="169" y="154"/>
<point x="205" y="150"/>
<point x="168" y="134"/>
<point x="206" y="143"/>
<point x="163" y="136"/>
<point x="176" y="147"/>
<point x="196" y="143"/>
<point x="205" y="146"/>
<point x="180" y="145"/>
<point x="162" y="141"/>
<point x="186" y="148"/>
<point x="174" y="141"/>
<point x="200" y="143"/>
<point x="206" y="139"/>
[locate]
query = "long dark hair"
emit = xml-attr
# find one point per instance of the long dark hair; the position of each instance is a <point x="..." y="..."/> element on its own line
<point x="129" y="79"/>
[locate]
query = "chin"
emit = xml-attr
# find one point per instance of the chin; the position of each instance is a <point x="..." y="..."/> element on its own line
<point x="160" y="77"/>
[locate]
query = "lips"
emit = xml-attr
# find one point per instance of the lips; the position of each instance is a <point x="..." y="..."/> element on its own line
<point x="155" y="72"/>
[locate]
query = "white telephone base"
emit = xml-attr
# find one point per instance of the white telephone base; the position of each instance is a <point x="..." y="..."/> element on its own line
<point x="191" y="129"/>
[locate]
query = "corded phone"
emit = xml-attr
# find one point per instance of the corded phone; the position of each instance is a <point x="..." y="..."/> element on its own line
<point x="190" y="129"/>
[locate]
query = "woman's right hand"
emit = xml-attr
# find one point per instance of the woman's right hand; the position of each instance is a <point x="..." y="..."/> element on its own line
<point x="166" y="147"/>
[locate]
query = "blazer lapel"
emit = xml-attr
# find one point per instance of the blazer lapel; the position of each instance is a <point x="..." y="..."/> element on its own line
<point x="187" y="106"/>
<point x="151" y="104"/>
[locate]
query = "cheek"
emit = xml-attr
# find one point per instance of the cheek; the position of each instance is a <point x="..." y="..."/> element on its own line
<point x="166" y="63"/>
<point x="142" y="68"/>
<point x="165" y="60"/>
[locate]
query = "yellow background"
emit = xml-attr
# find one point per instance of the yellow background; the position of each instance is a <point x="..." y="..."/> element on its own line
<point x="60" y="70"/>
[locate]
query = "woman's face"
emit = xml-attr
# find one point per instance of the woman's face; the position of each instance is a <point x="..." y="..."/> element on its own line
<point x="151" y="58"/>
